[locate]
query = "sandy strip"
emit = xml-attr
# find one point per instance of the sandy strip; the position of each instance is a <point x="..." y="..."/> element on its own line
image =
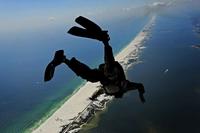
<point x="79" y="101"/>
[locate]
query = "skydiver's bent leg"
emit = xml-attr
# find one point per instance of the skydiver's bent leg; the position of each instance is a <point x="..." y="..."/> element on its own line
<point x="108" y="54"/>
<point x="82" y="70"/>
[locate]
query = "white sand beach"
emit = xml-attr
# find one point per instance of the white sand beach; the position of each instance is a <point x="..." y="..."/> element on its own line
<point x="79" y="101"/>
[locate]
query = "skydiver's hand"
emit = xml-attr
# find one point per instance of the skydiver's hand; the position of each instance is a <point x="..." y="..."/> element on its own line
<point x="141" y="93"/>
<point x="142" y="98"/>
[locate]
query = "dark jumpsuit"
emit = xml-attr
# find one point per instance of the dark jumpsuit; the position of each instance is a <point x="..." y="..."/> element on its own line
<point x="105" y="73"/>
<point x="101" y="74"/>
<point x="110" y="74"/>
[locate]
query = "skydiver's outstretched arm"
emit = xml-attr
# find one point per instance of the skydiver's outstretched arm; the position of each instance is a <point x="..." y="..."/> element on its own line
<point x="128" y="86"/>
<point x="133" y="86"/>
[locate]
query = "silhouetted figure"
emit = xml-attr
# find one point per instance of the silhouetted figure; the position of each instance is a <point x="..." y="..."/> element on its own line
<point x="110" y="74"/>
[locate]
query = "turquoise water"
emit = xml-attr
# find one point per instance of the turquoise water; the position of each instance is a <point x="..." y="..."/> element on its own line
<point x="25" y="100"/>
<point x="172" y="96"/>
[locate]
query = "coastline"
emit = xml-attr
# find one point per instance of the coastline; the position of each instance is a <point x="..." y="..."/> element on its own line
<point x="78" y="109"/>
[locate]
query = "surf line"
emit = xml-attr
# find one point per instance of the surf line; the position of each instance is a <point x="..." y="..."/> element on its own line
<point x="127" y="57"/>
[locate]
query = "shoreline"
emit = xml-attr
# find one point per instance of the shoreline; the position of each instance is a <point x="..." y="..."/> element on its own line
<point x="51" y="112"/>
<point x="78" y="109"/>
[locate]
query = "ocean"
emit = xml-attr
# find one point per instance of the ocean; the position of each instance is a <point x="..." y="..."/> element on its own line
<point x="169" y="71"/>
<point x="25" y="100"/>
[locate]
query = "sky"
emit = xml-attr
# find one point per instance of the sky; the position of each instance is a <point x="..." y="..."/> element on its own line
<point x="20" y="15"/>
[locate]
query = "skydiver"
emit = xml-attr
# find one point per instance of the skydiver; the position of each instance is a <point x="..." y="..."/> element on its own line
<point x="110" y="74"/>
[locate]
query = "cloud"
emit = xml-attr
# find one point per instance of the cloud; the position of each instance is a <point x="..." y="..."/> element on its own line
<point x="127" y="9"/>
<point x="148" y="8"/>
<point x="160" y="4"/>
<point x="51" y="18"/>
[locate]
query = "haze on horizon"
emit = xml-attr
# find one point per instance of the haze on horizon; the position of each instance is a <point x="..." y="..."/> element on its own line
<point x="22" y="15"/>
